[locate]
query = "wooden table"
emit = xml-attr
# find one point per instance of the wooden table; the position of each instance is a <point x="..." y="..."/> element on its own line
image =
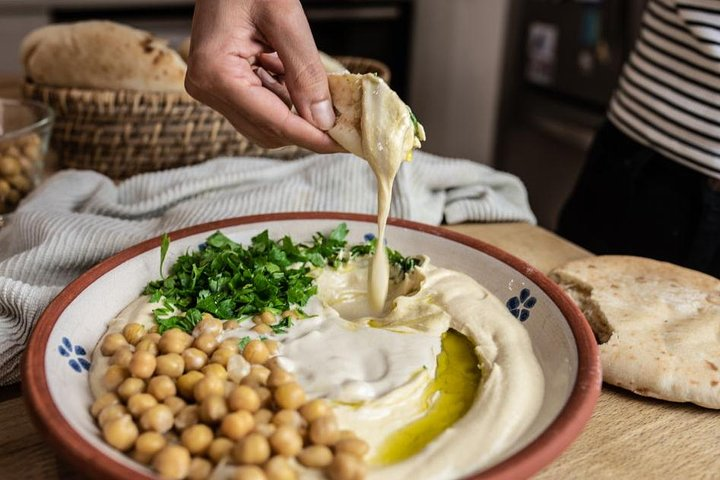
<point x="628" y="436"/>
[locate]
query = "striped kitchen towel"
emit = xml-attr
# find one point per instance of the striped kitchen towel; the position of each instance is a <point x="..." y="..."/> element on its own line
<point x="77" y="218"/>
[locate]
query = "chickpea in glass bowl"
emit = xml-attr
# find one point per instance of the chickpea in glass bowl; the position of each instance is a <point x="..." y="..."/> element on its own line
<point x="25" y="129"/>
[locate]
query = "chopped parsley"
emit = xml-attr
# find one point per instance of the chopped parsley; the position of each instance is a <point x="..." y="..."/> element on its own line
<point x="243" y="343"/>
<point x="232" y="281"/>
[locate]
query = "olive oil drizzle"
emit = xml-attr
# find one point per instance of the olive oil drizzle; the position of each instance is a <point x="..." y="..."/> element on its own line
<point x="448" y="397"/>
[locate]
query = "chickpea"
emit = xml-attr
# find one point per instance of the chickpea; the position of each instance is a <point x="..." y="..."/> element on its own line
<point x="256" y="352"/>
<point x="149" y="443"/>
<point x="290" y="313"/>
<point x="158" y="418"/>
<point x="170" y="364"/>
<point x="186" y="383"/>
<point x="354" y="446"/>
<point x="278" y="468"/>
<point x="288" y="417"/>
<point x="262" y="329"/>
<point x="143" y="364"/>
<point x="208" y="325"/>
<point x="200" y="469"/>
<point x="264" y="394"/>
<point x="206" y="343"/>
<point x="243" y="397"/>
<point x="222" y="355"/>
<point x="9" y="166"/>
<point x="187" y="417"/>
<point x="133" y="333"/>
<point x="237" y="424"/>
<point x="324" y="430"/>
<point x="219" y="449"/>
<point x="231" y="344"/>
<point x="197" y="438"/>
<point x="263" y="416"/>
<point x="315" y="409"/>
<point x="257" y="376"/>
<point x="286" y="441"/>
<point x="173" y="462"/>
<point x="208" y="386"/>
<point x="121" y="433"/>
<point x="215" y="370"/>
<point x="111" y="343"/>
<point x="272" y="345"/>
<point x="140" y="403"/>
<point x="279" y="377"/>
<point x="174" y="341"/>
<point x="161" y="387"/>
<point x="175" y="404"/>
<point x="194" y="359"/>
<point x="278" y="362"/>
<point x="346" y="434"/>
<point x="315" y="456"/>
<point x="265" y="429"/>
<point x="254" y="449"/>
<point x="249" y="472"/>
<point x="110" y="413"/>
<point x="129" y="387"/>
<point x="122" y="357"/>
<point x="290" y="396"/>
<point x="114" y="376"/>
<point x="346" y="466"/>
<point x="103" y="401"/>
<point x="212" y="409"/>
<point x="152" y="335"/>
<point x="265" y="317"/>
<point x="147" y="345"/>
<point x="231" y="324"/>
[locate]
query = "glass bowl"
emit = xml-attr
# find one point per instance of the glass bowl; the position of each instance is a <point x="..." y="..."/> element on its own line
<point x="25" y="129"/>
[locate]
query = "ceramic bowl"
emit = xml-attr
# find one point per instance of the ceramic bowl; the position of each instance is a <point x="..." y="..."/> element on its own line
<point x="56" y="364"/>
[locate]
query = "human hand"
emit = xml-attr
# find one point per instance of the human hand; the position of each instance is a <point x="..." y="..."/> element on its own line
<point x="250" y="60"/>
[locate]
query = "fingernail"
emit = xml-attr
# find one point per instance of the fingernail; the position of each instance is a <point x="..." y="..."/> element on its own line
<point x="323" y="114"/>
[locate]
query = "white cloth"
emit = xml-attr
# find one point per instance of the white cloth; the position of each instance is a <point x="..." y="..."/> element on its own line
<point x="78" y="218"/>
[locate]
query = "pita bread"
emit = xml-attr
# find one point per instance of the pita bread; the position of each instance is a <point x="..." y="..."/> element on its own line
<point x="102" y="55"/>
<point x="658" y="325"/>
<point x="372" y="120"/>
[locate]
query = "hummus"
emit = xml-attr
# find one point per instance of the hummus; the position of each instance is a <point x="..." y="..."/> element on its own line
<point x="376" y="125"/>
<point x="386" y="374"/>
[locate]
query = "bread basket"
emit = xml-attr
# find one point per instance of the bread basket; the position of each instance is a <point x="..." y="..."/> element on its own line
<point x="121" y="133"/>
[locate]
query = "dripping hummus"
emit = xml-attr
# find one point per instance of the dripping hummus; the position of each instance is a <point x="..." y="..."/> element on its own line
<point x="441" y="383"/>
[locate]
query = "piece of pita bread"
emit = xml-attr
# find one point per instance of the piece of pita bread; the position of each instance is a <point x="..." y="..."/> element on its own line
<point x="658" y="325"/>
<point x="372" y="120"/>
<point x="102" y="55"/>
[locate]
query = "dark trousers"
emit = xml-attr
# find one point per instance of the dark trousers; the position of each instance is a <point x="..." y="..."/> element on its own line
<point x="631" y="200"/>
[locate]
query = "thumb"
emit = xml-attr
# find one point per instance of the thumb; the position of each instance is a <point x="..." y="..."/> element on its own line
<point x="305" y="76"/>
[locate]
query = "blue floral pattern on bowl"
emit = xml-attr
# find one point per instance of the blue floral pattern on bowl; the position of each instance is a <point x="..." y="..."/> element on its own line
<point x="75" y="355"/>
<point x="520" y="305"/>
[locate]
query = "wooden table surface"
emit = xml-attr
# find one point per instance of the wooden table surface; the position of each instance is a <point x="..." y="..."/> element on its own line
<point x="628" y="436"/>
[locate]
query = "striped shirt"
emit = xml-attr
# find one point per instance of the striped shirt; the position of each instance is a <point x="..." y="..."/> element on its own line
<point x="668" y="97"/>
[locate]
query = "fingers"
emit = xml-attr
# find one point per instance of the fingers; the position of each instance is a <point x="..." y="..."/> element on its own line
<point x="288" y="32"/>
<point x="237" y="93"/>
<point x="272" y="84"/>
<point x="271" y="62"/>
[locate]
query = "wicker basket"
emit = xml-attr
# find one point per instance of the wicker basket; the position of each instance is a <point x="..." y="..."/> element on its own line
<point x="122" y="133"/>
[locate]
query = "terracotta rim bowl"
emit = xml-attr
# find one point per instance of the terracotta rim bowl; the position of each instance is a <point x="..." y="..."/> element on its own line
<point x="541" y="451"/>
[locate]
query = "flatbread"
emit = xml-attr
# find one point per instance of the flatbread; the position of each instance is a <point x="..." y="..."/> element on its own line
<point x="658" y="325"/>
<point x="101" y="55"/>
<point x="372" y="120"/>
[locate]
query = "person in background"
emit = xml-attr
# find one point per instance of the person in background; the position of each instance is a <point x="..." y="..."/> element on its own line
<point x="249" y="60"/>
<point x="651" y="183"/>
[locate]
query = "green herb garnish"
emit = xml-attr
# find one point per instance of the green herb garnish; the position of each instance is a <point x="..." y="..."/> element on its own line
<point x="243" y="343"/>
<point x="232" y="281"/>
<point x="164" y="245"/>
